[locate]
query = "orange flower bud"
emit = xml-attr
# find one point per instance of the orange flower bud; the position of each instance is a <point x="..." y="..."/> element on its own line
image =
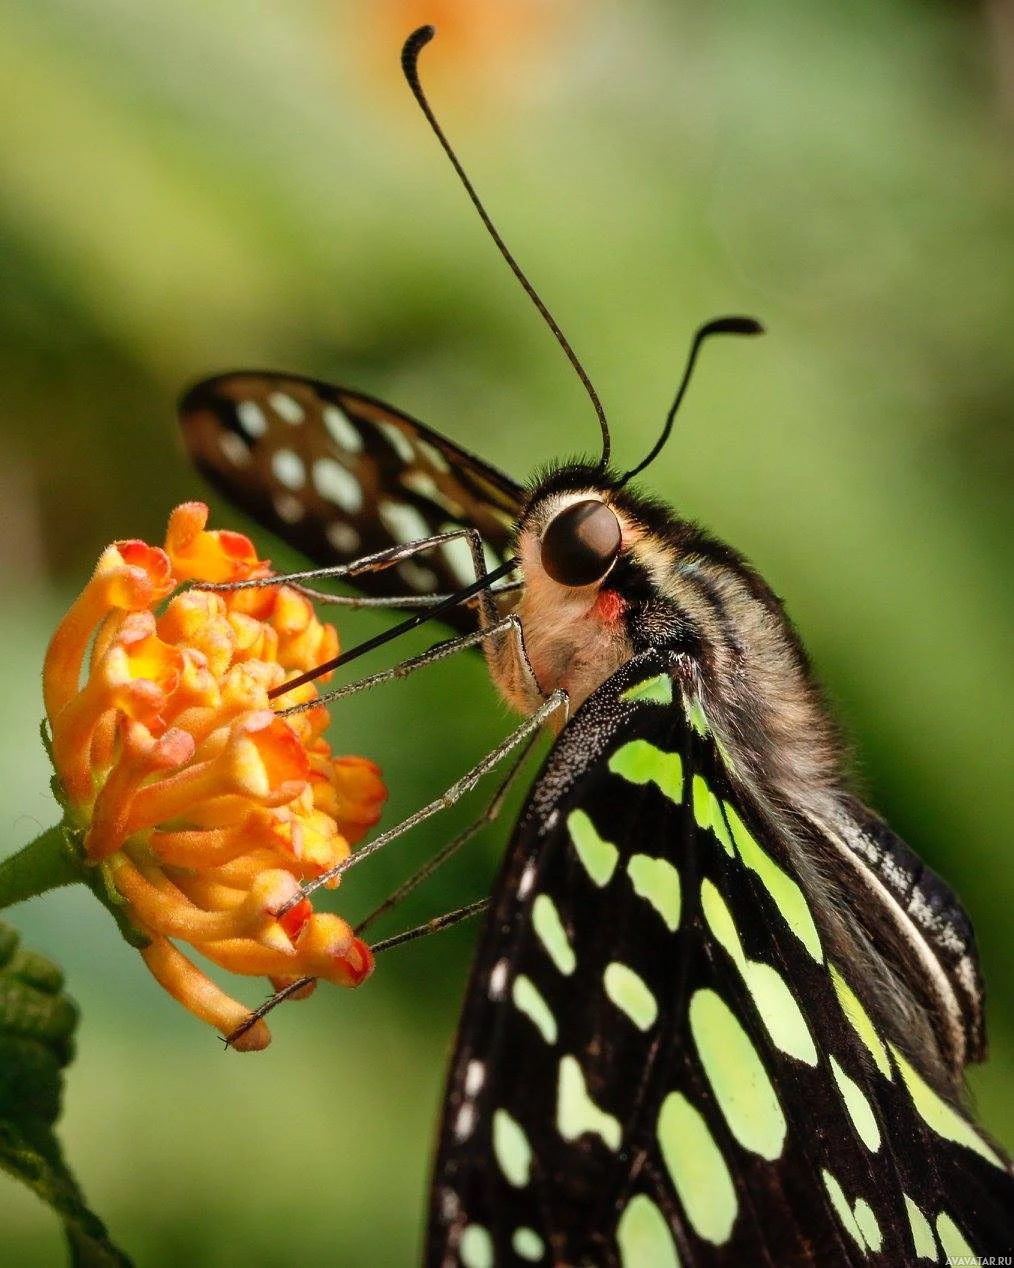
<point x="198" y="555"/>
<point x="205" y="808"/>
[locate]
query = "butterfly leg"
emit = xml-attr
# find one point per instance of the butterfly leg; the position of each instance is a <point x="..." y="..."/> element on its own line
<point x="489" y="815"/>
<point x="438" y="652"/>
<point x="376" y="562"/>
<point x="498" y="651"/>
<point x="523" y="734"/>
<point x="494" y="630"/>
<point x="558" y="702"/>
<point x="446" y="921"/>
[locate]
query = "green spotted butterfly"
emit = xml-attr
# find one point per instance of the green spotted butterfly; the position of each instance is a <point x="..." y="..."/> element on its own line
<point x="719" y="1013"/>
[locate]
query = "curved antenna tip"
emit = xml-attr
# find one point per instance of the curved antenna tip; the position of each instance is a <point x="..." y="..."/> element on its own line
<point x="414" y="45"/>
<point x="736" y="325"/>
<point x="732" y="326"/>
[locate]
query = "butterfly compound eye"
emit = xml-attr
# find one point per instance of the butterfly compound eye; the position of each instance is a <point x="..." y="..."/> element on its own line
<point x="581" y="543"/>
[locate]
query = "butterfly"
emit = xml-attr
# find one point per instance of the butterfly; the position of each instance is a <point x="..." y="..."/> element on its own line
<point x="719" y="1013"/>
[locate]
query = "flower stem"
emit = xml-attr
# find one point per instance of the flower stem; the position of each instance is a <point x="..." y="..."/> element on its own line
<point x="45" y="863"/>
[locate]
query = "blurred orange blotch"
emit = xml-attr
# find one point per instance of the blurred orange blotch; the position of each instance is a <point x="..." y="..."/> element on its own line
<point x="483" y="47"/>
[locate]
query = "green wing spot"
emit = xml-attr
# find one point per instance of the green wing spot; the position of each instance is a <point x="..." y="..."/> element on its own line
<point x="657" y="690"/>
<point x="658" y="883"/>
<point x="922" y="1232"/>
<point x="780" y="1012"/>
<point x="696" y="718"/>
<point x="512" y="1150"/>
<point x="702" y="801"/>
<point x="549" y="927"/>
<point x="599" y="857"/>
<point x="697" y="1169"/>
<point x="631" y="995"/>
<point x="528" y="1245"/>
<point x="577" y="1113"/>
<point x="956" y="1249"/>
<point x="775" y="1002"/>
<point x="859" y="1108"/>
<point x="859" y="1020"/>
<point x="737" y="1076"/>
<point x="643" y="1236"/>
<point x="476" y="1247"/>
<point x="720" y="828"/>
<point x="529" y="1001"/>
<point x="940" y="1117"/>
<point x="868" y="1225"/>
<point x="785" y="893"/>
<point x="843" y="1210"/>
<point x="644" y="763"/>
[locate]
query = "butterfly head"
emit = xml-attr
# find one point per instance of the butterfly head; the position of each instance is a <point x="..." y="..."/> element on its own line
<point x="581" y="544"/>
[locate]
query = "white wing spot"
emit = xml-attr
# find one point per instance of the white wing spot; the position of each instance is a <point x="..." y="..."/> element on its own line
<point x="465" y="1121"/>
<point x="404" y="523"/>
<point x="288" y="468"/>
<point x="343" y="537"/>
<point x="432" y="454"/>
<point x="286" y="407"/>
<point x="498" y="979"/>
<point x="337" y="485"/>
<point x="418" y="577"/>
<point x="475" y="1076"/>
<point x="288" y="508"/>
<point x="342" y="431"/>
<point x="527" y="879"/>
<point x="233" y="448"/>
<point x="399" y="441"/>
<point x="421" y="483"/>
<point x="450" y="1205"/>
<point x="251" y="418"/>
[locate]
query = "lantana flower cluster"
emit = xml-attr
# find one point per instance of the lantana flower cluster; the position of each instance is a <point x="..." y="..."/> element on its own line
<point x="202" y="806"/>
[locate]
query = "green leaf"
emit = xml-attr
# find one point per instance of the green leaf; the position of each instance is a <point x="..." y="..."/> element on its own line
<point x="37" y="1023"/>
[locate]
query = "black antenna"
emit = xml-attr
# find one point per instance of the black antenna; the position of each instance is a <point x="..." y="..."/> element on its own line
<point x="413" y="46"/>
<point x="720" y="326"/>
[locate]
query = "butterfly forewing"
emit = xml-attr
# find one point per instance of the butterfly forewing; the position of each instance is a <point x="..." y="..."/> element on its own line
<point x="339" y="475"/>
<point x="655" y="1064"/>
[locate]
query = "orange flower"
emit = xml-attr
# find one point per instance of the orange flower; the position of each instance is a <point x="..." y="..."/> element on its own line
<point x="203" y="808"/>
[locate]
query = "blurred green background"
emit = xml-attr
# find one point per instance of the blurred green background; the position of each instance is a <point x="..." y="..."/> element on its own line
<point x="191" y="187"/>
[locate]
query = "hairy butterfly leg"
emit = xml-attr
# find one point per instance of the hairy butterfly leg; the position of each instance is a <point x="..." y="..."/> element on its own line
<point x="559" y="700"/>
<point x="433" y="925"/>
<point x="376" y="562"/>
<point x="432" y="655"/>
<point x="489" y="815"/>
<point x="528" y="729"/>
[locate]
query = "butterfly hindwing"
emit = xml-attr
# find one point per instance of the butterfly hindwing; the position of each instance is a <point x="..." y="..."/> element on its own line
<point x="339" y="475"/>
<point x="657" y="1064"/>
